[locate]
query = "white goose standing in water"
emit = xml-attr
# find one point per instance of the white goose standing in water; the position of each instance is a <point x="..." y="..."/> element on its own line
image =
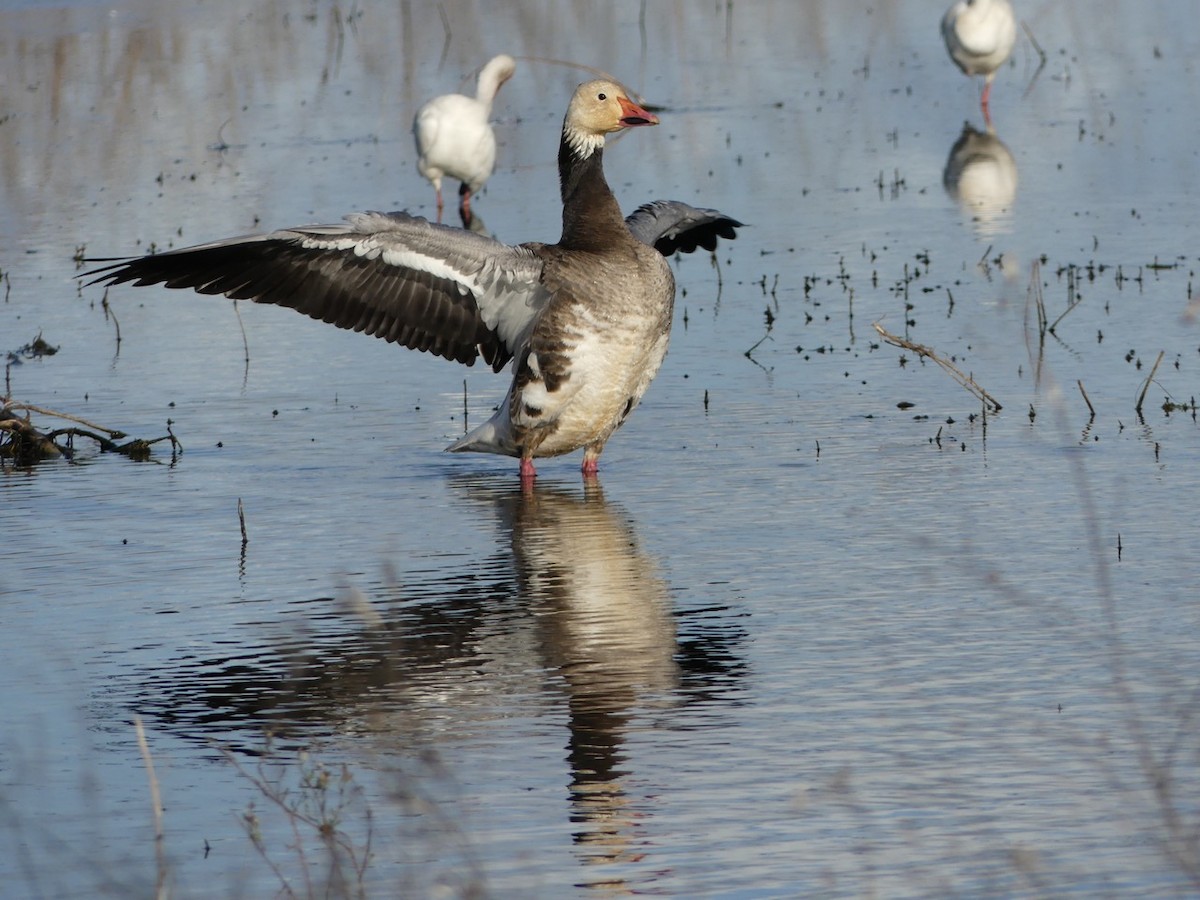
<point x="586" y="320"/>
<point x="979" y="36"/>
<point x="455" y="139"/>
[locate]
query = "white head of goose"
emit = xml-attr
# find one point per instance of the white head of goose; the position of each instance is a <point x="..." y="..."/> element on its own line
<point x="585" y="321"/>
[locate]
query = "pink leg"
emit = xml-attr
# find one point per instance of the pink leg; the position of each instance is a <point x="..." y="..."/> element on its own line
<point x="983" y="102"/>
<point x="590" y="467"/>
<point x="439" y="204"/>
<point x="527" y="471"/>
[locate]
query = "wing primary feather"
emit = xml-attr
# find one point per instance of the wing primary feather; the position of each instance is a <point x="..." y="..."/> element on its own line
<point x="392" y="275"/>
<point x="671" y="226"/>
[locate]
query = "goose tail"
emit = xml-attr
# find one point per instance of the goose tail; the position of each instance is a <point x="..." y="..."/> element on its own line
<point x="490" y="437"/>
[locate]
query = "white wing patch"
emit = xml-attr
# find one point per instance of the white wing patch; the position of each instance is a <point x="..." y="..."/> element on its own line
<point x="406" y="258"/>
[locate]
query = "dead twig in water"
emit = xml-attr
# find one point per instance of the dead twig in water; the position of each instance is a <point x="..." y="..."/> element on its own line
<point x="242" y="523"/>
<point x="245" y="342"/>
<point x="110" y="314"/>
<point x="447" y="32"/>
<point x="27" y="445"/>
<point x="42" y="411"/>
<point x="749" y="354"/>
<point x="716" y="264"/>
<point x="138" y="448"/>
<point x="1091" y="409"/>
<point x="1034" y="293"/>
<point x="983" y="260"/>
<point x="1041" y="56"/>
<point x="1053" y="325"/>
<point x="989" y="402"/>
<point x="1039" y="299"/>
<point x="1146" y="383"/>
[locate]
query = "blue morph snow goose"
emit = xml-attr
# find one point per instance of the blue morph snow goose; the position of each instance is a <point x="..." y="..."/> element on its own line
<point x="455" y="139"/>
<point x="979" y="36"/>
<point x="586" y="321"/>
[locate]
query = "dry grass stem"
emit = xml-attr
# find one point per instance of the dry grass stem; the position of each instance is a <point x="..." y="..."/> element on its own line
<point x="1091" y="409"/>
<point x="990" y="404"/>
<point x="1035" y="289"/>
<point x="318" y="804"/>
<point x="42" y="411"/>
<point x="1041" y="58"/>
<point x="580" y="67"/>
<point x="160" y="855"/>
<point x="1061" y="316"/>
<point x="242" y="522"/>
<point x="109" y="314"/>
<point x="1146" y="383"/>
<point x="245" y="342"/>
<point x="1034" y="297"/>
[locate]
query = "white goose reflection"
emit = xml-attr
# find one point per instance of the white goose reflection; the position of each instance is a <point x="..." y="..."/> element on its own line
<point x="981" y="176"/>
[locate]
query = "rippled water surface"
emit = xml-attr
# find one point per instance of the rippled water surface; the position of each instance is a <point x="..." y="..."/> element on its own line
<point x="824" y="626"/>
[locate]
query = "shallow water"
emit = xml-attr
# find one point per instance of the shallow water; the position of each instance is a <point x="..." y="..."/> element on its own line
<point x="798" y="641"/>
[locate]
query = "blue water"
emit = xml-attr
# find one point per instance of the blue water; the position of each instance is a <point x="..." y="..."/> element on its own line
<point x="824" y="626"/>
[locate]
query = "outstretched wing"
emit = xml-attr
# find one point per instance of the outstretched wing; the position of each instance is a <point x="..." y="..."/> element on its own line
<point x="433" y="288"/>
<point x="670" y="226"/>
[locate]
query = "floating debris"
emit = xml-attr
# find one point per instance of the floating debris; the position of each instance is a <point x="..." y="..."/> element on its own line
<point x="24" y="444"/>
<point x="35" y="349"/>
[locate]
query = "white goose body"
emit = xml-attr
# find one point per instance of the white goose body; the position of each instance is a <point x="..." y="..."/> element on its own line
<point x="586" y="321"/>
<point x="980" y="36"/>
<point x="455" y="139"/>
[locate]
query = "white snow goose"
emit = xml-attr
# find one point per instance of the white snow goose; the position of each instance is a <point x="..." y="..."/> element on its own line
<point x="455" y="139"/>
<point x="979" y="36"/>
<point x="585" y="320"/>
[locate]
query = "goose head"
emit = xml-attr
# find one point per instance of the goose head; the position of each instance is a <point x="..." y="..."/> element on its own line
<point x="599" y="108"/>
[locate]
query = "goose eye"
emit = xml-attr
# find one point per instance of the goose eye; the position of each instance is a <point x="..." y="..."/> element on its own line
<point x="602" y="96"/>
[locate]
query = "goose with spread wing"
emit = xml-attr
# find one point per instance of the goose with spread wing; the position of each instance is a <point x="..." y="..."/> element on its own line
<point x="455" y="139"/>
<point x="586" y="321"/>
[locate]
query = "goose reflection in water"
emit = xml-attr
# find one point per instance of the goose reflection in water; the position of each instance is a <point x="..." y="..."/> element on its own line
<point x="981" y="176"/>
<point x="570" y="607"/>
<point x="607" y="628"/>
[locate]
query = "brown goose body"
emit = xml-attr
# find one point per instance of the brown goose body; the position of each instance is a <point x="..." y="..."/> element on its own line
<point x="603" y="335"/>
<point x="585" y="320"/>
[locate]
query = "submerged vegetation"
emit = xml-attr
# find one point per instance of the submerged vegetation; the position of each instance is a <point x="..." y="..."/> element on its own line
<point x="23" y="444"/>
